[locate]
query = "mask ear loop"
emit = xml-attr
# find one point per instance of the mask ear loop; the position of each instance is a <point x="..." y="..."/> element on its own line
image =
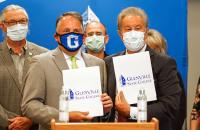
<point x="60" y="39"/>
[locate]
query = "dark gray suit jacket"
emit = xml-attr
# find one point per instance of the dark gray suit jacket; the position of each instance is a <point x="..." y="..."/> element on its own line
<point x="10" y="89"/>
<point x="166" y="84"/>
<point x="44" y="82"/>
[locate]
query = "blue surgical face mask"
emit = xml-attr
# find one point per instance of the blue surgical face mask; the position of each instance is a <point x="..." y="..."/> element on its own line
<point x="71" y="41"/>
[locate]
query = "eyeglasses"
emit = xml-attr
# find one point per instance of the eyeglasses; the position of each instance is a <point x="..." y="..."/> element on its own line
<point x="13" y="22"/>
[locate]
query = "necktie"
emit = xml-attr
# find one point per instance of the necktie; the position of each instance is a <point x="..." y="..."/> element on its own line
<point x="73" y="60"/>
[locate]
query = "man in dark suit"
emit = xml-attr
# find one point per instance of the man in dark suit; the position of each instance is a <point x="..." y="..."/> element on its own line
<point x="132" y="28"/>
<point x="15" y="55"/>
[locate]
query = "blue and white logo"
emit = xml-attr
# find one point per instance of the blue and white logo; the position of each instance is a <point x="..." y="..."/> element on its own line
<point x="71" y="94"/>
<point x="83" y="94"/>
<point x="71" y="41"/>
<point x="122" y="81"/>
<point x="126" y="81"/>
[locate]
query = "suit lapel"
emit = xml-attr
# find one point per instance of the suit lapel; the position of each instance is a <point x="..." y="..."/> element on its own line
<point x="87" y="60"/>
<point x="59" y="60"/>
<point x="8" y="63"/>
<point x="30" y="52"/>
<point x="150" y="51"/>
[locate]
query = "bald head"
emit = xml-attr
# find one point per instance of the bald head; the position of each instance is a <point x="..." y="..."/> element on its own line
<point x="95" y="38"/>
<point x="96" y="28"/>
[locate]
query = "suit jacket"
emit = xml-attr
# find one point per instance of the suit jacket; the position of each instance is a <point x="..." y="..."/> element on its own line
<point x="10" y="89"/>
<point x="44" y="82"/>
<point x="181" y="115"/>
<point x="166" y="85"/>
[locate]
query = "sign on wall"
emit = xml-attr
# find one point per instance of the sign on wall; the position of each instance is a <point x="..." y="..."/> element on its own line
<point x="168" y="17"/>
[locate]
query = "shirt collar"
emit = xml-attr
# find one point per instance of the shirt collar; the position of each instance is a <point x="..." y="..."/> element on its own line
<point x="24" y="49"/>
<point x="78" y="55"/>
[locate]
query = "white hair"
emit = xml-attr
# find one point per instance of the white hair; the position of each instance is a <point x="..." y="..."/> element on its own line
<point x="11" y="7"/>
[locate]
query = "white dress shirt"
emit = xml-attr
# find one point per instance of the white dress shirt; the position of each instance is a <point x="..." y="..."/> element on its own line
<point x="79" y="60"/>
<point x="133" y="110"/>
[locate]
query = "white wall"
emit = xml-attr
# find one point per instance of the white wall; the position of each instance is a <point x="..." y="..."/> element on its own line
<point x="193" y="51"/>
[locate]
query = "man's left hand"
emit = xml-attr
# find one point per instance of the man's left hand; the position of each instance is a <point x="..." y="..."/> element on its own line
<point x="122" y="105"/>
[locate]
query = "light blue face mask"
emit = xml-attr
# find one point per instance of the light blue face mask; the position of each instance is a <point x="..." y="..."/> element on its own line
<point x="95" y="43"/>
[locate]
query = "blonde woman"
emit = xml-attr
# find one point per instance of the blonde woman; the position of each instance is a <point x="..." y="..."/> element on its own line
<point x="157" y="42"/>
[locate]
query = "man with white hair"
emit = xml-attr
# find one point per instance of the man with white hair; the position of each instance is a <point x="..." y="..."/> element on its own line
<point x="15" y="54"/>
<point x="132" y="29"/>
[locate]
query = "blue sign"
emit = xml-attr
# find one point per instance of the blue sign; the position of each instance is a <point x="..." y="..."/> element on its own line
<point x="168" y="17"/>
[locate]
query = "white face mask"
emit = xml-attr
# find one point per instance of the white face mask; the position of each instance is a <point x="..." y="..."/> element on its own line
<point x="17" y="32"/>
<point x="133" y="40"/>
<point x="95" y="43"/>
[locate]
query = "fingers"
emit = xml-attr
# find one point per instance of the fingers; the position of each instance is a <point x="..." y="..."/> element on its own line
<point x="117" y="98"/>
<point x="104" y="97"/>
<point x="87" y="118"/>
<point x="12" y="125"/>
<point x="104" y="94"/>
<point x="121" y="95"/>
<point x="12" y="120"/>
<point x="84" y="113"/>
<point x="107" y="102"/>
<point x="77" y="116"/>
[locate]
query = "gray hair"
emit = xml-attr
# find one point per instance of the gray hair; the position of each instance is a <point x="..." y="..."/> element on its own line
<point x="133" y="11"/>
<point x="75" y="15"/>
<point x="11" y="7"/>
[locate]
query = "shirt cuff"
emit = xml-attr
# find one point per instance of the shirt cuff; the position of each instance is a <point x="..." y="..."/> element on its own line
<point x="133" y="113"/>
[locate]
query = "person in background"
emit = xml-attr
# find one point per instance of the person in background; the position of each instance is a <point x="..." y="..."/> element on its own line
<point x="95" y="39"/>
<point x="44" y="79"/>
<point x="195" y="114"/>
<point x="16" y="53"/>
<point x="157" y="42"/>
<point x="132" y="29"/>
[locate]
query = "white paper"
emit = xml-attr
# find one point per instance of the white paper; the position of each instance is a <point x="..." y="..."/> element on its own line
<point x="85" y="90"/>
<point x="134" y="72"/>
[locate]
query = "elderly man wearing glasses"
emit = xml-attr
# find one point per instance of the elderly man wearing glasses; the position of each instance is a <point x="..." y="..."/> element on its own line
<point x="15" y="54"/>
